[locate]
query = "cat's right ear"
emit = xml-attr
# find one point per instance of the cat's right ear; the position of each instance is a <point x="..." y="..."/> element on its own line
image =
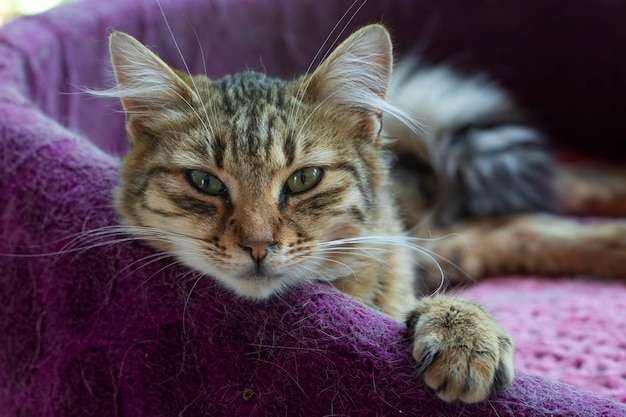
<point x="355" y="78"/>
<point x="357" y="73"/>
<point x="144" y="82"/>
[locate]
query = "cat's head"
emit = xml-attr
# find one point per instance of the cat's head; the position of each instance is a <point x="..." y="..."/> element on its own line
<point x="253" y="180"/>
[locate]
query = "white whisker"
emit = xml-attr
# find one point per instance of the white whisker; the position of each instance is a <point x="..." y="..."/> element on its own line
<point x="209" y="128"/>
<point x="407" y="242"/>
<point x="156" y="257"/>
<point x="324" y="259"/>
<point x="300" y="92"/>
<point x="197" y="277"/>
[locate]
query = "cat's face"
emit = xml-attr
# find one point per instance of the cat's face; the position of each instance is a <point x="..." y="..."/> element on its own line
<point x="252" y="180"/>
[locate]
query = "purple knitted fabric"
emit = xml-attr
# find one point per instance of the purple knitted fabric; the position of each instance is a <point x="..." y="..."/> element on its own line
<point x="565" y="329"/>
<point x="114" y="330"/>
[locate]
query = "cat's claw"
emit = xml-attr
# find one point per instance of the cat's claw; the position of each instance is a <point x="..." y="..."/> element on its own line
<point x="461" y="351"/>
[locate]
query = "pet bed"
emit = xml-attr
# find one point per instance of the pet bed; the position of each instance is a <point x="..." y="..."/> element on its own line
<point x="95" y="329"/>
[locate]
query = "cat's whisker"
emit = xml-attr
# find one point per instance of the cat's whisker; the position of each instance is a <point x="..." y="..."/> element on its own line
<point x="70" y="246"/>
<point x="395" y="239"/>
<point x="197" y="277"/>
<point x="150" y="231"/>
<point x="190" y="277"/>
<point x="128" y="233"/>
<point x="425" y="251"/>
<point x="302" y="87"/>
<point x="92" y="233"/>
<point x="209" y="128"/>
<point x="330" y="48"/>
<point x="343" y="29"/>
<point x="44" y="245"/>
<point x="310" y="272"/>
<point x="318" y="275"/>
<point x="152" y="258"/>
<point x="206" y="74"/>
<point x="325" y="259"/>
<point x="158" y="257"/>
<point x="358" y="251"/>
<point x="404" y="242"/>
<point x="206" y="123"/>
<point x="67" y="249"/>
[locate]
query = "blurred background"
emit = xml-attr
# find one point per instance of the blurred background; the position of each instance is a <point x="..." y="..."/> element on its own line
<point x="12" y="8"/>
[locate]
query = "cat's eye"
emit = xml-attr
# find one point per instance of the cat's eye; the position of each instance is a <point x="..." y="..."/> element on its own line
<point x="205" y="182"/>
<point x="304" y="179"/>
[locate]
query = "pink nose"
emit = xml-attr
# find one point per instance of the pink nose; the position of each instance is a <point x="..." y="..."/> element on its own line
<point x="257" y="250"/>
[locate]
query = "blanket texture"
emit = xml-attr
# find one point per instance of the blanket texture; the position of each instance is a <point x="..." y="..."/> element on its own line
<point x="90" y="328"/>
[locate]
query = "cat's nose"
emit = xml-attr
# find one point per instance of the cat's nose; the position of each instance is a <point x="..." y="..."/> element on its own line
<point x="258" y="250"/>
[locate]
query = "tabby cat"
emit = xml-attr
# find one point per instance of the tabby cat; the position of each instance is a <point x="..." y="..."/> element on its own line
<point x="264" y="184"/>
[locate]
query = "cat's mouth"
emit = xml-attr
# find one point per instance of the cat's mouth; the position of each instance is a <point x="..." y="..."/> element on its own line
<point x="257" y="283"/>
<point x="259" y="274"/>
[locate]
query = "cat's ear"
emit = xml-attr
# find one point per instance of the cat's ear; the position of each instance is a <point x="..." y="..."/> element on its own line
<point x="144" y="82"/>
<point x="356" y="75"/>
<point x="357" y="71"/>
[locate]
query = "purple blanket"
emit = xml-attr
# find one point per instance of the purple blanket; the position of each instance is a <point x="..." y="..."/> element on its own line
<point x="89" y="328"/>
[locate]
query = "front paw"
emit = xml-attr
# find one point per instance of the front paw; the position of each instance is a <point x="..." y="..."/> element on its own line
<point x="461" y="351"/>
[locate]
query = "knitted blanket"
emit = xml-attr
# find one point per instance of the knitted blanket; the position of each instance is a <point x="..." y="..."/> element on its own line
<point x="94" y="325"/>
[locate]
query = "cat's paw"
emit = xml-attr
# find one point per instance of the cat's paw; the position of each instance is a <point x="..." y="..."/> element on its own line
<point x="461" y="351"/>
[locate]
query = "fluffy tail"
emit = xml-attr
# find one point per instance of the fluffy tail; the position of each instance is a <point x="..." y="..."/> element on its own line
<point x="486" y="158"/>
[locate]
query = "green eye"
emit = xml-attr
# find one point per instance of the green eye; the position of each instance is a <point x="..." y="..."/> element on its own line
<point x="304" y="179"/>
<point x="206" y="182"/>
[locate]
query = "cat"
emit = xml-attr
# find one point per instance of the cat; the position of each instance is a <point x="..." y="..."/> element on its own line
<point x="483" y="172"/>
<point x="264" y="184"/>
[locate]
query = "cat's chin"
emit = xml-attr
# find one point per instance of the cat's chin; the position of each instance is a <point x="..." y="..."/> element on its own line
<point x="256" y="286"/>
<point x="248" y="283"/>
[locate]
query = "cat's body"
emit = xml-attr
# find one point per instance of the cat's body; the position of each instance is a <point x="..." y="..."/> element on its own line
<point x="477" y="171"/>
<point x="264" y="184"/>
<point x="486" y="156"/>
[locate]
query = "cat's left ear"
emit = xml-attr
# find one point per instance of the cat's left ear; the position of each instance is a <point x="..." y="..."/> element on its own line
<point x="357" y="73"/>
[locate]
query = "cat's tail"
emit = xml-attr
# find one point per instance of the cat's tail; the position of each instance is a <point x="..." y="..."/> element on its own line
<point x="487" y="157"/>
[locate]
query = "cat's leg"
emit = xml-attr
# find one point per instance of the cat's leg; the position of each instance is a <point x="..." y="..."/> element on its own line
<point x="592" y="190"/>
<point x="461" y="351"/>
<point x="524" y="244"/>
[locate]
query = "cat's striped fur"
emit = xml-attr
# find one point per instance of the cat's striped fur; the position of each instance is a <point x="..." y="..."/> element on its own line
<point x="264" y="184"/>
<point x="256" y="134"/>
<point x="245" y="136"/>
